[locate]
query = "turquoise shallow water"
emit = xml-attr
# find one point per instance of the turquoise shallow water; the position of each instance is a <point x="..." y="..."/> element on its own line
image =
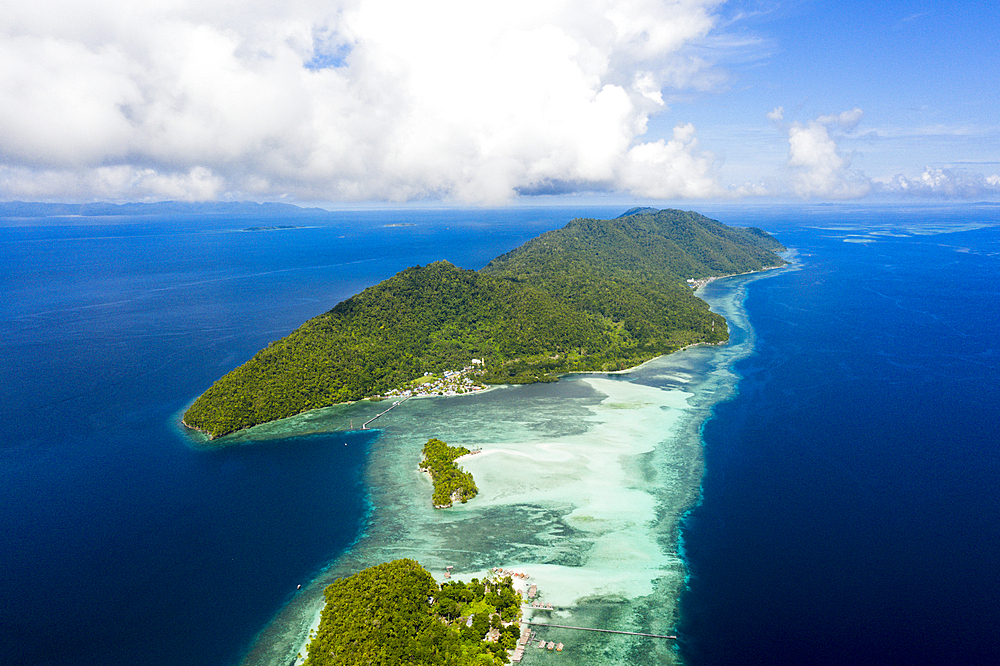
<point x="850" y="482"/>
<point x="119" y="541"/>
<point x="582" y="486"/>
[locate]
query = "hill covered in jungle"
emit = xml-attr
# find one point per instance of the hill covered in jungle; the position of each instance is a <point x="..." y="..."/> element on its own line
<point x="395" y="613"/>
<point x="594" y="295"/>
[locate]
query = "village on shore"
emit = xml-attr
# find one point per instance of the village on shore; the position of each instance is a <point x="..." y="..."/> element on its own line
<point x="450" y="382"/>
<point x="528" y="636"/>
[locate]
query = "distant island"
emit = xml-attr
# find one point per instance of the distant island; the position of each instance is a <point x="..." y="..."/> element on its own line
<point x="277" y="227"/>
<point x="451" y="483"/>
<point x="241" y="208"/>
<point x="595" y="295"/>
<point x="395" y="613"/>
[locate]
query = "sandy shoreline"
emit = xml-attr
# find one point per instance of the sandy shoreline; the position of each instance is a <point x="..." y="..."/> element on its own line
<point x="303" y="653"/>
<point x="582" y="484"/>
<point x="589" y="481"/>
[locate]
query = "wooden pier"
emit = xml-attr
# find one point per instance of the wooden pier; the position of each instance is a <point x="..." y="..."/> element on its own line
<point x="364" y="426"/>
<point x="605" y="631"/>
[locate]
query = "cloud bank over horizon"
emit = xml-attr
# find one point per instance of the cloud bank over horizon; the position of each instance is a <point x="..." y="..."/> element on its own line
<point x="382" y="100"/>
<point x="349" y="100"/>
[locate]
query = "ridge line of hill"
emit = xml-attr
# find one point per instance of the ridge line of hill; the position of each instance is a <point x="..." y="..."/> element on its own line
<point x="595" y="295"/>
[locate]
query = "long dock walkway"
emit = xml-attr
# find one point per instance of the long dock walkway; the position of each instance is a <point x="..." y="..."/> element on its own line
<point x="364" y="426"/>
<point x="606" y="631"/>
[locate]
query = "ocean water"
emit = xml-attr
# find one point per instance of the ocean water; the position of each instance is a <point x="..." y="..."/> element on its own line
<point x="830" y="476"/>
<point x="119" y="540"/>
<point x="581" y="486"/>
<point x="850" y="500"/>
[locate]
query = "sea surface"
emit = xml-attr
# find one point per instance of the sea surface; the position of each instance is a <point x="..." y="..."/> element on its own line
<point x="120" y="541"/>
<point x="850" y="504"/>
<point x="834" y="470"/>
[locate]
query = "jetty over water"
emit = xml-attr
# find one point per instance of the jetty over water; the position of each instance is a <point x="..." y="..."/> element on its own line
<point x="364" y="426"/>
<point x="604" y="631"/>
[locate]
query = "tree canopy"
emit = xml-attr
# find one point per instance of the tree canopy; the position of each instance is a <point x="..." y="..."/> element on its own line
<point x="593" y="295"/>
<point x="395" y="613"/>
<point x="451" y="483"/>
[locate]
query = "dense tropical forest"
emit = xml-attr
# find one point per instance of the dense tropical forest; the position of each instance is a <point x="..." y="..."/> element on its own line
<point x="451" y="483"/>
<point x="395" y="613"/>
<point x="593" y="295"/>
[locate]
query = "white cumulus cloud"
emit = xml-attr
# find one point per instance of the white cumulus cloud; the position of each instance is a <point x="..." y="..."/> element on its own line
<point x="946" y="183"/>
<point x="346" y="99"/>
<point x="671" y="169"/>
<point x="818" y="167"/>
<point x="847" y="120"/>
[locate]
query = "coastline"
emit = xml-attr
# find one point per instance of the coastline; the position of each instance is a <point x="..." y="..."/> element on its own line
<point x="303" y="652"/>
<point x="609" y="558"/>
<point x="546" y="447"/>
<point x="451" y="382"/>
<point x="614" y="553"/>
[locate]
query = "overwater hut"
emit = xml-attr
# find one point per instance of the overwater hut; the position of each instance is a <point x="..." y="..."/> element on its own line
<point x="532" y="591"/>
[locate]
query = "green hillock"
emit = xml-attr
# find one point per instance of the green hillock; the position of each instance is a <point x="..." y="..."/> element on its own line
<point x="594" y="295"/>
<point x="450" y="481"/>
<point x="395" y="613"/>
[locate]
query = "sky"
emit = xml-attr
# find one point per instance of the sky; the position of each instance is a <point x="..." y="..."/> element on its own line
<point x="491" y="103"/>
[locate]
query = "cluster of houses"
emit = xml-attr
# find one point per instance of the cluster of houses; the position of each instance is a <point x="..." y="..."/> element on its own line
<point x="453" y="382"/>
<point x="507" y="572"/>
<point x="522" y="642"/>
<point x="699" y="283"/>
<point x="525" y="640"/>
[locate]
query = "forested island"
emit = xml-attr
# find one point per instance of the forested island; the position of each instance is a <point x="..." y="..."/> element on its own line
<point x="451" y="483"/>
<point x="395" y="613"/>
<point x="595" y="295"/>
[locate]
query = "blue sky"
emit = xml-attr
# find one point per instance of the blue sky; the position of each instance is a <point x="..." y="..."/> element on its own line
<point x="350" y="101"/>
<point x="923" y="73"/>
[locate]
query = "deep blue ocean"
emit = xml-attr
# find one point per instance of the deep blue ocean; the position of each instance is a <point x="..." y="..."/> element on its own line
<point x="122" y="543"/>
<point x="850" y="504"/>
<point x="850" y="510"/>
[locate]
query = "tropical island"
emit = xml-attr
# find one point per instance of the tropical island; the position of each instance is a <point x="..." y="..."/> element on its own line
<point x="451" y="483"/>
<point x="395" y="613"/>
<point x="275" y="227"/>
<point x="595" y="295"/>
